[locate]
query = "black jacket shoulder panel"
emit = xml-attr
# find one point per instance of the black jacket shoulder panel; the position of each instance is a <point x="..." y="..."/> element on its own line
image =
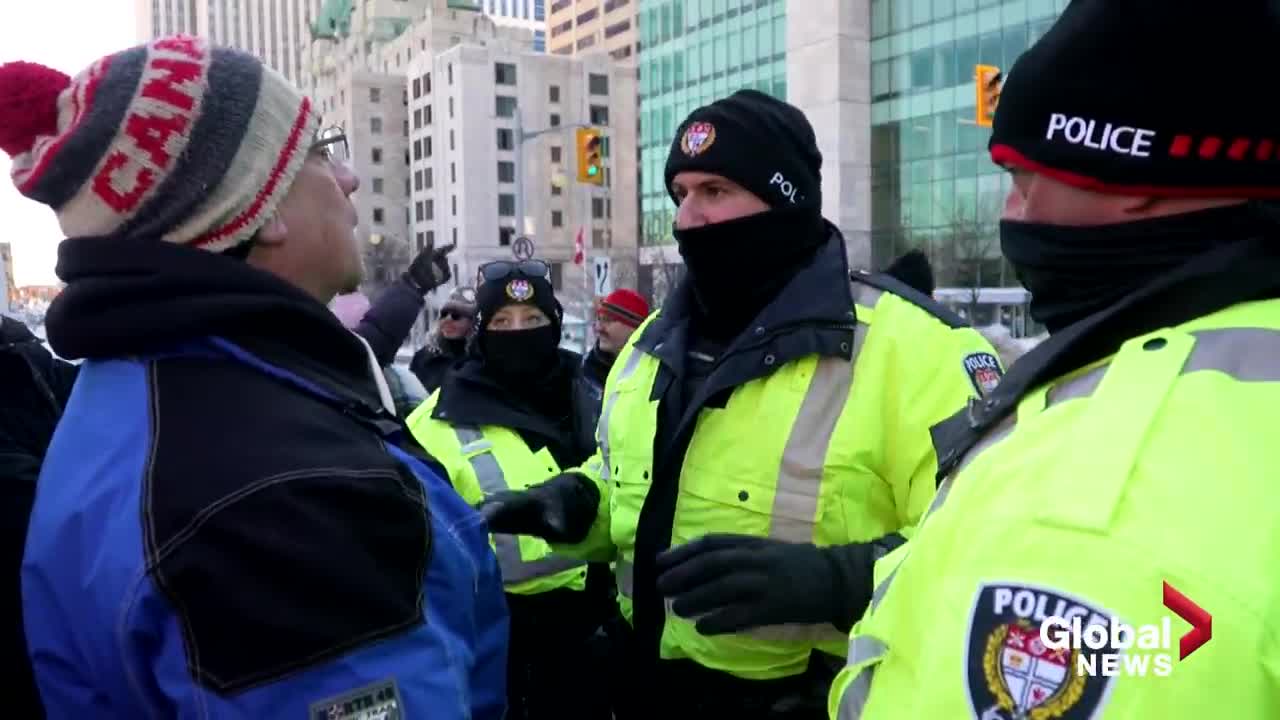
<point x="892" y="285"/>
<point x="282" y="530"/>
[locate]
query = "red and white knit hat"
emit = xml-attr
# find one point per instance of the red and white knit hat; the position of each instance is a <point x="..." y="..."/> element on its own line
<point x="174" y="139"/>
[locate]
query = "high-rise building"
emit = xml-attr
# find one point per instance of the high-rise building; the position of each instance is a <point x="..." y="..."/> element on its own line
<point x="475" y="183"/>
<point x="811" y="53"/>
<point x="582" y="26"/>
<point x="528" y="14"/>
<point x="276" y="31"/>
<point x="934" y="186"/>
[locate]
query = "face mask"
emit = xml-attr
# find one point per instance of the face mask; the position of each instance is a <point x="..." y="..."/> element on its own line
<point x="738" y="266"/>
<point x="521" y="355"/>
<point x="1073" y="272"/>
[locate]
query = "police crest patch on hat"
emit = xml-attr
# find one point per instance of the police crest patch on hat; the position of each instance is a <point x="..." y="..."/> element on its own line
<point x="379" y="700"/>
<point x="984" y="372"/>
<point x="519" y="290"/>
<point x="1012" y="674"/>
<point x="698" y="138"/>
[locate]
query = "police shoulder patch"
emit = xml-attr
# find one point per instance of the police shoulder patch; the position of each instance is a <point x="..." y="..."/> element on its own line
<point x="1012" y="674"/>
<point x="984" y="372"/>
<point x="376" y="701"/>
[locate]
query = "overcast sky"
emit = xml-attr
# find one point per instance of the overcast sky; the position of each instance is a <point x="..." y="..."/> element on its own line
<point x="67" y="35"/>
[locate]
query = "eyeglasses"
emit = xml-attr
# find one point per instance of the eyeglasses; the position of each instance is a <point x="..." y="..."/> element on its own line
<point x="332" y="142"/>
<point x="454" y="315"/>
<point x="502" y="269"/>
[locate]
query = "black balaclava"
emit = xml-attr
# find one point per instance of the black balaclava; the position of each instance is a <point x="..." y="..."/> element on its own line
<point x="518" y="357"/>
<point x="769" y="148"/>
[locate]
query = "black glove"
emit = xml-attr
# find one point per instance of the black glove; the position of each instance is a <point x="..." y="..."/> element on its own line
<point x="733" y="583"/>
<point x="559" y="510"/>
<point x="430" y="269"/>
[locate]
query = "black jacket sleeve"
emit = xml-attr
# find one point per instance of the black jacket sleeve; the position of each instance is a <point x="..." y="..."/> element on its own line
<point x="388" y="322"/>
<point x="853" y="568"/>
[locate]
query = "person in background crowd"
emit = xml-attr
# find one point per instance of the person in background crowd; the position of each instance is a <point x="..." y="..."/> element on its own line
<point x="1122" y="476"/>
<point x="914" y="269"/>
<point x="387" y="322"/>
<point x="765" y="437"/>
<point x="230" y="522"/>
<point x="512" y="412"/>
<point x="447" y="342"/>
<point x="401" y="386"/>
<point x="619" y="314"/>
<point x="36" y="389"/>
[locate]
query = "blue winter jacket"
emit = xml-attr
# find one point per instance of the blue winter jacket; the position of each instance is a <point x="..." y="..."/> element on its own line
<point x="229" y="525"/>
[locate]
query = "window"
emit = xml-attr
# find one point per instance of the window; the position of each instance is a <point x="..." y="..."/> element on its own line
<point x="557" y="276"/>
<point x="375" y="95"/>
<point x="555" y="153"/>
<point x="426" y="147"/>
<point x="421" y="241"/>
<point x="504" y="106"/>
<point x="376" y="156"/>
<point x="417" y="149"/>
<point x="375" y="126"/>
<point x="617" y="28"/>
<point x="417" y="180"/>
<point x="431" y="240"/>
<point x="598" y="84"/>
<point x="597" y="238"/>
<point x="417" y="119"/>
<point x="419" y="212"/>
<point x="430" y="209"/>
<point x="451" y="146"/>
<point x="429" y="181"/>
<point x="417" y="88"/>
<point x="557" y="219"/>
<point x="505" y="234"/>
<point x="555" y="189"/>
<point x="426" y="84"/>
<point x="453" y="173"/>
<point x="377" y="186"/>
<point x="504" y="73"/>
<point x="585" y="41"/>
<point x="506" y="171"/>
<point x="599" y="115"/>
<point x="451" y="108"/>
<point x="453" y="203"/>
<point x="506" y="139"/>
<point x="611" y="5"/>
<point x="562" y="28"/>
<point x="555" y="120"/>
<point x="588" y="16"/>
<point x="554" y="93"/>
<point x="449" y="67"/>
<point x="427" y="115"/>
<point x="506" y="205"/>
<point x="597" y="208"/>
<point x="378" y="216"/>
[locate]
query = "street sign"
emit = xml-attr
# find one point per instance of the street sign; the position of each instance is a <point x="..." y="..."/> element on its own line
<point x="522" y="248"/>
<point x="603" y="279"/>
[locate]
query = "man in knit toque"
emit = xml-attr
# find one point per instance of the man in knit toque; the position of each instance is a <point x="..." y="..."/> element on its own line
<point x="229" y="522"/>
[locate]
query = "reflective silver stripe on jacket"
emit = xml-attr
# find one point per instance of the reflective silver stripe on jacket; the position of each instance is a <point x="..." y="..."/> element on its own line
<point x="507" y="547"/>
<point x="862" y="649"/>
<point x="602" y="427"/>
<point x="1244" y="354"/>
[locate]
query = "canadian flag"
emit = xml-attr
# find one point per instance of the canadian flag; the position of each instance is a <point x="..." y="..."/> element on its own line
<point x="579" y="249"/>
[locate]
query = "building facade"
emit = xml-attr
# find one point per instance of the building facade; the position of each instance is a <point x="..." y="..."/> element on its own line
<point x="530" y="15"/>
<point x="476" y="184"/>
<point x="695" y="51"/>
<point x="589" y="26"/>
<point x="933" y="184"/>
<point x="277" y="31"/>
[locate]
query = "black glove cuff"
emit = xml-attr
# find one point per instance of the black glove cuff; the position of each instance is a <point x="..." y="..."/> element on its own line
<point x="853" y="576"/>
<point x="413" y="283"/>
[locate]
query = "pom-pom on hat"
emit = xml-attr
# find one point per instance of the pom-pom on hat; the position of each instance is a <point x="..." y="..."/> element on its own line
<point x="177" y="140"/>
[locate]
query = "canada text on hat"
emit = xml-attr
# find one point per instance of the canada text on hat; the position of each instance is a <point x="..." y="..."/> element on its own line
<point x="173" y="139"/>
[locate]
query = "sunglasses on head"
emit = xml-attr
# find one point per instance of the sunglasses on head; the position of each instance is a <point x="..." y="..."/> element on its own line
<point x="502" y="269"/>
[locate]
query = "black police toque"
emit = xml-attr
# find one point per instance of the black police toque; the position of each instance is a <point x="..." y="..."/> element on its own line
<point x="491" y="295"/>
<point x="1148" y="97"/>
<point x="758" y="142"/>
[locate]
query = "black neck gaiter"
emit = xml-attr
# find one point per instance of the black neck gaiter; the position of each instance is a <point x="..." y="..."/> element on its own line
<point x="737" y="267"/>
<point x="521" y="357"/>
<point x="1073" y="272"/>
<point x="454" y="347"/>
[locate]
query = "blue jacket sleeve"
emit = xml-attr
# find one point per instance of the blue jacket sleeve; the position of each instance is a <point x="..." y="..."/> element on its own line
<point x="387" y="323"/>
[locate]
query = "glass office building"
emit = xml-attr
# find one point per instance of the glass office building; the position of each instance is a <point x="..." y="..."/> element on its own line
<point x="691" y="53"/>
<point x="933" y="184"/>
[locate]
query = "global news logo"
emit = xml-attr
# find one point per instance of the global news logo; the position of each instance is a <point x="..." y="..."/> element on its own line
<point x="1103" y="646"/>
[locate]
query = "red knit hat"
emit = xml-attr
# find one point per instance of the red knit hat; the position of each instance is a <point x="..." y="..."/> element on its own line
<point x="625" y="306"/>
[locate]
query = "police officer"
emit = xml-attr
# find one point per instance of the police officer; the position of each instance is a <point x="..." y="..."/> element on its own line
<point x="1123" y="473"/>
<point x="514" y="411"/>
<point x="763" y="437"/>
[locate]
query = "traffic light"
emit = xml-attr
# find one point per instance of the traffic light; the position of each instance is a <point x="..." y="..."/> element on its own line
<point x="590" y="156"/>
<point x="987" y="89"/>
